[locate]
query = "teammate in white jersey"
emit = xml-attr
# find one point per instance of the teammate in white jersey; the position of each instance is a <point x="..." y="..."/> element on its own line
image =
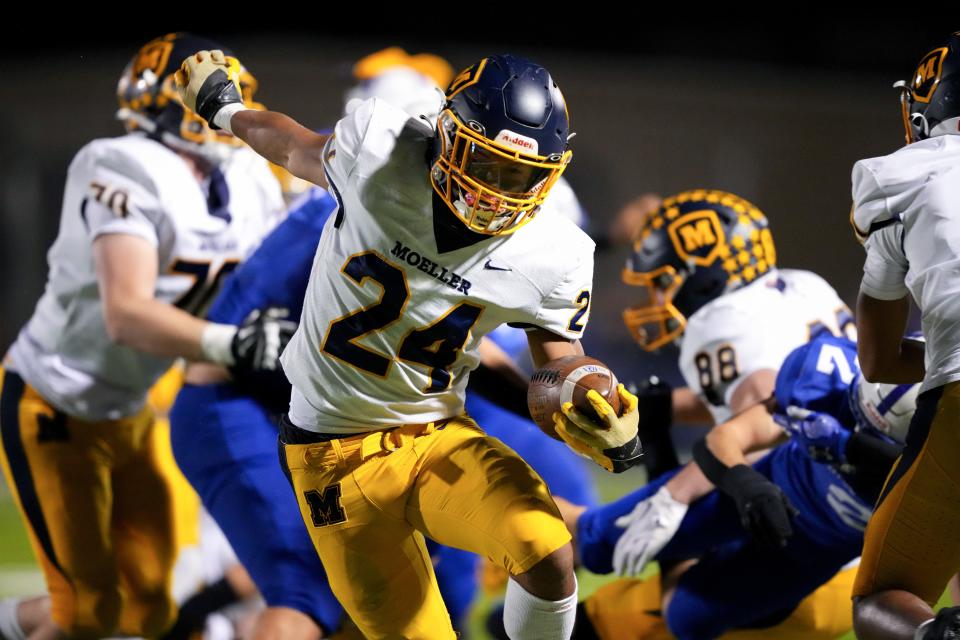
<point x="436" y="242"/>
<point x="704" y="264"/>
<point x="705" y="267"/>
<point x="151" y="222"/>
<point x="906" y="211"/>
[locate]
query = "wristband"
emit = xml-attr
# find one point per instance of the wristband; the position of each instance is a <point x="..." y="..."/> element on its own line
<point x="222" y="118"/>
<point x="216" y="343"/>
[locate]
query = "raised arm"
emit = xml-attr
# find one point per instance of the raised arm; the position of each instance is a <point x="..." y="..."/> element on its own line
<point x="209" y="85"/>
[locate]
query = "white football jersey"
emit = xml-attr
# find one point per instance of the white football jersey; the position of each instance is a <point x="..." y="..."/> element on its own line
<point x="134" y="185"/>
<point x="391" y="324"/>
<point x="754" y="328"/>
<point x="909" y="204"/>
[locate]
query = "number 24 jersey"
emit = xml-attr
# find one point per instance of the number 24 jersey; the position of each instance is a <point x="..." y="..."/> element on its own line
<point x="391" y="324"/>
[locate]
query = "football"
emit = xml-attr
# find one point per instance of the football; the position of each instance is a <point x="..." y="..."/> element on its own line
<point x="568" y="379"/>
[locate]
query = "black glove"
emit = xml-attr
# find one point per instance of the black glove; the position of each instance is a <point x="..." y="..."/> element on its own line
<point x="946" y="626"/>
<point x="656" y="416"/>
<point x="765" y="511"/>
<point x="260" y="340"/>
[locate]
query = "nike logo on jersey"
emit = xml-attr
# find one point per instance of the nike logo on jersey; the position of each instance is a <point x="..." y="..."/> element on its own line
<point x="492" y="267"/>
<point x="431" y="268"/>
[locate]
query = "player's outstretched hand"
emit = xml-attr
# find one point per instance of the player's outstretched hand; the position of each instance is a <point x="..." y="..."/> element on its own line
<point x="614" y="443"/>
<point x="820" y="433"/>
<point x="208" y="81"/>
<point x="260" y="340"/>
<point x="765" y="511"/>
<point x="648" y="529"/>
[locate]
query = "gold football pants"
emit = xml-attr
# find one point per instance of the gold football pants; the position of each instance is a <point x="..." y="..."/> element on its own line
<point x="97" y="505"/>
<point x="368" y="500"/>
<point x="912" y="542"/>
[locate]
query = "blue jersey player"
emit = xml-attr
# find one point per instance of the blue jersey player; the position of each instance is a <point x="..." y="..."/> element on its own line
<point x="805" y="504"/>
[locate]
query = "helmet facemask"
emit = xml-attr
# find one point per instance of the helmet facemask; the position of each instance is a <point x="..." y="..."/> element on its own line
<point x="491" y="187"/>
<point x="655" y="320"/>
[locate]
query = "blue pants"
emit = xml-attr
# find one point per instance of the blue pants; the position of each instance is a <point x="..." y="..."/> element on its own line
<point x="736" y="583"/>
<point x="226" y="446"/>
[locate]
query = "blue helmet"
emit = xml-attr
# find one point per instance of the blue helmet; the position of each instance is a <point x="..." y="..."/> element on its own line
<point x="883" y="409"/>
<point x="501" y="143"/>
<point x="930" y="100"/>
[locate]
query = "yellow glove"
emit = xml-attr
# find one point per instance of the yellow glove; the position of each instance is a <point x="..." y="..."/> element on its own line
<point x="207" y="82"/>
<point x="614" y="445"/>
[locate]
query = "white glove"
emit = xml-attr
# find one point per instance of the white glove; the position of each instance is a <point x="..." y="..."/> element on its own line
<point x="649" y="527"/>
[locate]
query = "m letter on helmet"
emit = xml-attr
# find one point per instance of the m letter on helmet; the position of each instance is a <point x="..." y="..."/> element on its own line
<point x="928" y="74"/>
<point x="697" y="236"/>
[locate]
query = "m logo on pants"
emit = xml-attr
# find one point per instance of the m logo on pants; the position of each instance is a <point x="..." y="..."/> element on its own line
<point x="325" y="507"/>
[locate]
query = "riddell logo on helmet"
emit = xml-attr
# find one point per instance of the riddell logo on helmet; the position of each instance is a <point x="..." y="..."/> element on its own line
<point x="517" y="142"/>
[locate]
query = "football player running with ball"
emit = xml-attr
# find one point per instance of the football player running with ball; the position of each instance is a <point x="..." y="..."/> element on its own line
<point x="906" y="212"/>
<point x="435" y="243"/>
<point x="151" y="222"/>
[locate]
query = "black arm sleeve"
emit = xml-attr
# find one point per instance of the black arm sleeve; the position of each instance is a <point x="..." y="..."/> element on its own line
<point x="711" y="466"/>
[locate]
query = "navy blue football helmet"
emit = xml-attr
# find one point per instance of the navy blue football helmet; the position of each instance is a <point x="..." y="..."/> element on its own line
<point x="698" y="246"/>
<point x="930" y="100"/>
<point x="501" y="143"/>
<point x="149" y="101"/>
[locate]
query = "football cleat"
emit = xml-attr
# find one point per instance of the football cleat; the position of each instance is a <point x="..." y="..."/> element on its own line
<point x="930" y="100"/>
<point x="698" y="246"/>
<point x="149" y="101"/>
<point x="501" y="143"/>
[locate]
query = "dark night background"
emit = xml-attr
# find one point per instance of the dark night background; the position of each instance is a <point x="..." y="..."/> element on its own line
<point x="775" y="112"/>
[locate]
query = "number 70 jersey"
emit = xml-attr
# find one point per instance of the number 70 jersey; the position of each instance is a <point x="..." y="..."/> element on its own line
<point x="391" y="323"/>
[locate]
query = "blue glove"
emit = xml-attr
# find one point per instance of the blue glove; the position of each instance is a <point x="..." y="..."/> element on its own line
<point x="824" y="438"/>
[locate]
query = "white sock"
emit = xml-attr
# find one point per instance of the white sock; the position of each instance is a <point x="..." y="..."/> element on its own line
<point x="527" y="617"/>
<point x="9" y="625"/>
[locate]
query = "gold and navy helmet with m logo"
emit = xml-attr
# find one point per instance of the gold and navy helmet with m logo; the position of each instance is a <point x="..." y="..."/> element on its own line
<point x="501" y="143"/>
<point x="698" y="246"/>
<point x="149" y="101"/>
<point x="930" y="100"/>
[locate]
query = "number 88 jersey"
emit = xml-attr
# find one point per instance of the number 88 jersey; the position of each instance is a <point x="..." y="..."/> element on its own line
<point x="393" y="314"/>
<point x="755" y="328"/>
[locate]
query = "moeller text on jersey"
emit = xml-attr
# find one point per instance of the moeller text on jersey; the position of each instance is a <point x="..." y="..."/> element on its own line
<point x="431" y="268"/>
